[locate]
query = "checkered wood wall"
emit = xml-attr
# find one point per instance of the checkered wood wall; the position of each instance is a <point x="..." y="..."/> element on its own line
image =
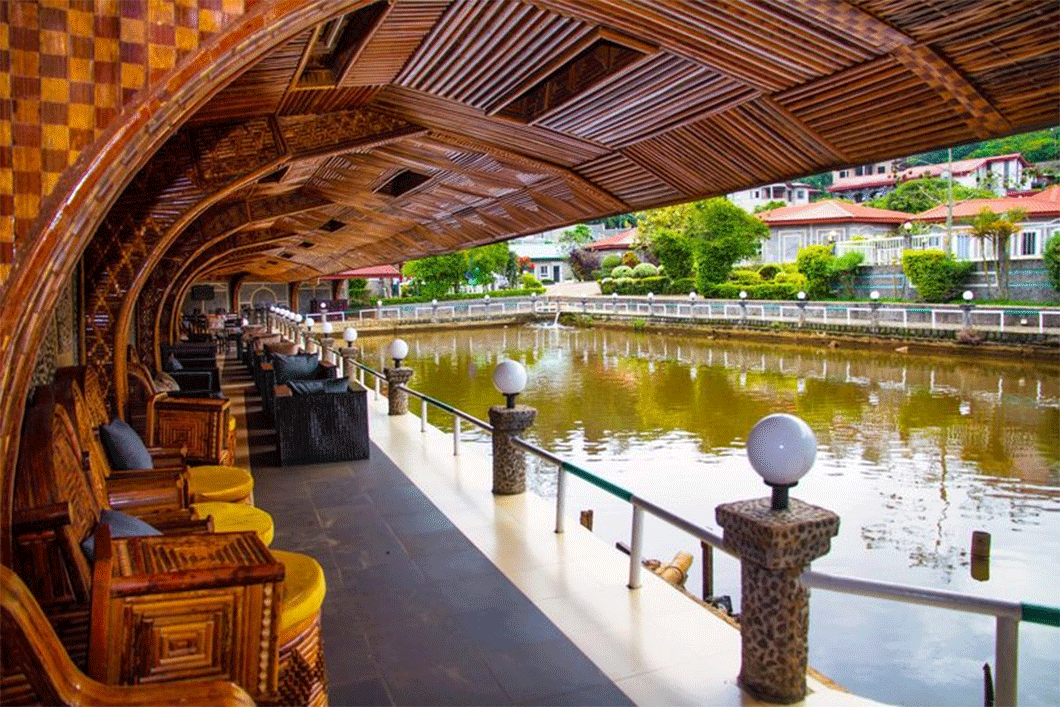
<point x="67" y="69"/>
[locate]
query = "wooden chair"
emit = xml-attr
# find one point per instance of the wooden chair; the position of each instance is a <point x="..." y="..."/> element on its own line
<point x="210" y="586"/>
<point x="213" y="482"/>
<point x="36" y="670"/>
<point x="204" y="425"/>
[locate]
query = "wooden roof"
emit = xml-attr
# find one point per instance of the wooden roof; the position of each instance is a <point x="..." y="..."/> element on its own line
<point x="501" y="117"/>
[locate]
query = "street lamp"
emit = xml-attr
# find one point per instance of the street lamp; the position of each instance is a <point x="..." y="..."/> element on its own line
<point x="349" y="334"/>
<point x="398" y="351"/>
<point x="509" y="377"/>
<point x="327" y="327"/>
<point x="781" y="449"/>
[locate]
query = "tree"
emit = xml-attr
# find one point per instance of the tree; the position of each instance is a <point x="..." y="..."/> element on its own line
<point x="574" y="237"/>
<point x="584" y="262"/>
<point x="437" y="275"/>
<point x="357" y="290"/>
<point x="918" y="195"/>
<point x="721" y="234"/>
<point x="486" y="262"/>
<point x="769" y="206"/>
<point x="843" y="271"/>
<point x="936" y="275"/>
<point x="674" y="252"/>
<point x="1052" y="260"/>
<point x="998" y="229"/>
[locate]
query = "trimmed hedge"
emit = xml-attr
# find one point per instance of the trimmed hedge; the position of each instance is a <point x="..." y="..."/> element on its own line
<point x="622" y="271"/>
<point x="496" y="294"/>
<point x="645" y="270"/>
<point x="766" y="290"/>
<point x="635" y="286"/>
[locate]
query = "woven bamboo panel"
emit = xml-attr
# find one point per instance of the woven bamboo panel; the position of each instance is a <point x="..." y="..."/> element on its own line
<point x="73" y="65"/>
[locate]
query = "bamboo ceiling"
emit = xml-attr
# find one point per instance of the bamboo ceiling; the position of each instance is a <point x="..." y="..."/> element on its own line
<point x="501" y="117"/>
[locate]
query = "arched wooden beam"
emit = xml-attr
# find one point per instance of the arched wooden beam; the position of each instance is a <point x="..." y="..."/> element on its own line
<point x="71" y="213"/>
<point x="202" y="235"/>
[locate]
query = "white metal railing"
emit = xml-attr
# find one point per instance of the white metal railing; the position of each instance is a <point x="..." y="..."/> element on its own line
<point x="1007" y="614"/>
<point x="1022" y="320"/>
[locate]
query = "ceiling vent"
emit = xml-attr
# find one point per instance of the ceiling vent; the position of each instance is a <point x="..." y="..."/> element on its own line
<point x="332" y="226"/>
<point x="402" y="183"/>
<point x="338" y="43"/>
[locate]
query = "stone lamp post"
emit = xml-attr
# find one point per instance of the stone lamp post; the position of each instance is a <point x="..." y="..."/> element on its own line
<point x="874" y="303"/>
<point x="743" y="306"/>
<point x="349" y="353"/>
<point x="397" y="376"/>
<point x="967" y="308"/>
<point x="511" y="420"/>
<point x="801" y="304"/>
<point x="328" y="342"/>
<point x="776" y="539"/>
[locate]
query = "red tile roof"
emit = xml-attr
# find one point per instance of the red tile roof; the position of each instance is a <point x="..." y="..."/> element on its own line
<point x="830" y="211"/>
<point x="1044" y="203"/>
<point x="623" y="240"/>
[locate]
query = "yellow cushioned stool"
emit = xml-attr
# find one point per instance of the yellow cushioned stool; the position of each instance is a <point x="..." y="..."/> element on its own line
<point x="236" y="517"/>
<point x="303" y="675"/>
<point x="220" y="483"/>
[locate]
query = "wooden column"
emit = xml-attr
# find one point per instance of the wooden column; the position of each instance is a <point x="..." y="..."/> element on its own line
<point x="292" y="295"/>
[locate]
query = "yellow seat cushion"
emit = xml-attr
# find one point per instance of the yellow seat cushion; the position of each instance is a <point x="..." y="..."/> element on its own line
<point x="231" y="423"/>
<point x="220" y="483"/>
<point x="237" y="517"/>
<point x="304" y="588"/>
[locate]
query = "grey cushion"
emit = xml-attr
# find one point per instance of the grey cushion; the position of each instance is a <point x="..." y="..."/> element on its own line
<point x="330" y="385"/>
<point x="172" y="364"/>
<point x="125" y="449"/>
<point x="295" y="367"/>
<point x="121" y="525"/>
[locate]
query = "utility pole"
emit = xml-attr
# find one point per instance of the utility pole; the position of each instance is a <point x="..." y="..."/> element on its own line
<point x="949" y="202"/>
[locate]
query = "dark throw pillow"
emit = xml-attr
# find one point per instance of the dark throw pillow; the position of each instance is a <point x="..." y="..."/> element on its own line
<point x="121" y="525"/>
<point x="299" y="366"/>
<point x="125" y="449"/>
<point x="305" y="387"/>
<point x="172" y="364"/>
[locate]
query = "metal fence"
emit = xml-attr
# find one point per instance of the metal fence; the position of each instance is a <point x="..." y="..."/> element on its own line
<point x="868" y="316"/>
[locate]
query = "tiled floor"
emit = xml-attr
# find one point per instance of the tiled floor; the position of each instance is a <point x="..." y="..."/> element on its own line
<point x="415" y="614"/>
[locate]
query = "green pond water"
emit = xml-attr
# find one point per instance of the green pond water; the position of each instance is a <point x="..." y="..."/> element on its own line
<point x="914" y="453"/>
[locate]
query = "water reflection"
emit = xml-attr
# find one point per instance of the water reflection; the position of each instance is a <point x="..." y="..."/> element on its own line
<point x="914" y="454"/>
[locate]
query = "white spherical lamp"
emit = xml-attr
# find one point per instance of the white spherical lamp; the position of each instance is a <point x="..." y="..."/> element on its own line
<point x="350" y="335"/>
<point x="487" y="299"/>
<point x="801" y="295"/>
<point x="244" y="321"/>
<point x="308" y="322"/>
<point x="743" y="294"/>
<point x="968" y="296"/>
<point x="327" y="327"/>
<point x="874" y="295"/>
<point x="509" y="377"/>
<point x="398" y="351"/>
<point x="781" y="449"/>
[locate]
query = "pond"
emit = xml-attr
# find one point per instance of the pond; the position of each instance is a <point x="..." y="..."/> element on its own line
<point x="914" y="454"/>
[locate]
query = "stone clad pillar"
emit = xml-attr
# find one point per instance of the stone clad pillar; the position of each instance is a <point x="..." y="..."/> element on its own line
<point x="775" y="547"/>
<point x="509" y="462"/>
<point x="398" y="399"/>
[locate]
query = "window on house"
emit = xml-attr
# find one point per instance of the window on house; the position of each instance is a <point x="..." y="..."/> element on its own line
<point x="758" y="194"/>
<point x="842" y="174"/>
<point x="881" y="169"/>
<point x="1028" y="243"/>
<point x="963" y="247"/>
<point x="800" y="194"/>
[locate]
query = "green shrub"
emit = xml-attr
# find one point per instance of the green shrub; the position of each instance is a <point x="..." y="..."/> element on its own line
<point x="794" y="279"/>
<point x="765" y="290"/>
<point x="674" y="251"/>
<point x="1052" y="260"/>
<point x="844" y="271"/>
<point x="745" y="277"/>
<point x="768" y="271"/>
<point x="630" y="259"/>
<point x="682" y="286"/>
<point x="635" y="286"/>
<point x="529" y="281"/>
<point x="661" y="271"/>
<point x="815" y="262"/>
<point x="622" y="271"/>
<point x="495" y="294"/>
<point x="937" y="276"/>
<point x="610" y="262"/>
<point x="645" y="270"/>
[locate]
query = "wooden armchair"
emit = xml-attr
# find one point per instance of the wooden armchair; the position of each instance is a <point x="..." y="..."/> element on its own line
<point x="204" y="426"/>
<point x="237" y="610"/>
<point x="36" y="670"/>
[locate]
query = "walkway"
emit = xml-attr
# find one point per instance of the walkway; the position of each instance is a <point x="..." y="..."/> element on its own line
<point x="440" y="592"/>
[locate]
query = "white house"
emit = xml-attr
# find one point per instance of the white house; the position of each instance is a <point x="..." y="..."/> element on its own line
<point x="791" y="193"/>
<point x="549" y="261"/>
<point x="792" y="228"/>
<point x="1000" y="173"/>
